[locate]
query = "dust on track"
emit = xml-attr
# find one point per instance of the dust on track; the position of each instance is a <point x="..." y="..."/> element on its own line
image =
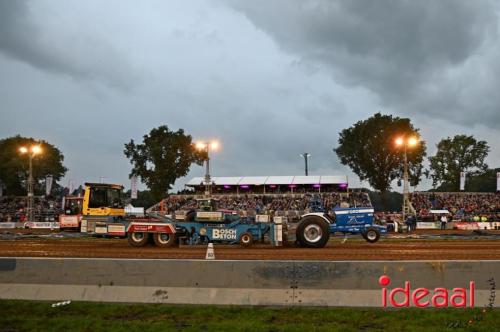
<point x="353" y="249"/>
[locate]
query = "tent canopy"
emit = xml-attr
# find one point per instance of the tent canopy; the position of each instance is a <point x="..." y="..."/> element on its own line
<point x="271" y="180"/>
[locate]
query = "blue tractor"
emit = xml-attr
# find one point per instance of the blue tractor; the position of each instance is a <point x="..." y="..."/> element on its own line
<point x="314" y="229"/>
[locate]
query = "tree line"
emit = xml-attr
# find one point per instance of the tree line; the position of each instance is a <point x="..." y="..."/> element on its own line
<point x="367" y="148"/>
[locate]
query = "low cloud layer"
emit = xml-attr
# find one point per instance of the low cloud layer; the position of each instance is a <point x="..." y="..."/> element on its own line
<point x="81" y="56"/>
<point x="269" y="79"/>
<point x="435" y="57"/>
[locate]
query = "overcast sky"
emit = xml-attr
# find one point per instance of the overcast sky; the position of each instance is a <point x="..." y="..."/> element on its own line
<point x="269" y="79"/>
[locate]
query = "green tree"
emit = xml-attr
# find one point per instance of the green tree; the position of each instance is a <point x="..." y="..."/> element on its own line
<point x="14" y="165"/>
<point x="461" y="153"/>
<point x="162" y="158"/>
<point x="144" y="199"/>
<point x="484" y="182"/>
<point x="368" y="149"/>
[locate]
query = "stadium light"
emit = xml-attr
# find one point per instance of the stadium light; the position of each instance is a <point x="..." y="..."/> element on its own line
<point x="34" y="149"/>
<point x="214" y="145"/>
<point x="412" y="141"/>
<point x="201" y="146"/>
<point x="207" y="146"/>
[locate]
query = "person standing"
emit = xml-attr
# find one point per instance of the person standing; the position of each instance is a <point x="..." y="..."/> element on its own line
<point x="444" y="220"/>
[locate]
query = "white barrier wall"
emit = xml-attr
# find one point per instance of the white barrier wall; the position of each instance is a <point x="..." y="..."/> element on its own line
<point x="287" y="283"/>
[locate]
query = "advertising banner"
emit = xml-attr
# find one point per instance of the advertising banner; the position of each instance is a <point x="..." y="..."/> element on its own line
<point x="133" y="187"/>
<point x="467" y="225"/>
<point x="46" y="224"/>
<point x="427" y="225"/>
<point x="462" y="180"/>
<point x="71" y="187"/>
<point x="48" y="184"/>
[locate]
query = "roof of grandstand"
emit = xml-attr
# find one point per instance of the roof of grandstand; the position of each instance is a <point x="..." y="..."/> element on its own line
<point x="271" y="180"/>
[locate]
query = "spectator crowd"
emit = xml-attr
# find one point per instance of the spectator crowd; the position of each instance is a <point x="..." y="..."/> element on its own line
<point x="267" y="203"/>
<point x="14" y="209"/>
<point x="460" y="205"/>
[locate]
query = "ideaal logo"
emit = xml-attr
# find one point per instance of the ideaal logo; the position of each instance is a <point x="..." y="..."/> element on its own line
<point x="424" y="297"/>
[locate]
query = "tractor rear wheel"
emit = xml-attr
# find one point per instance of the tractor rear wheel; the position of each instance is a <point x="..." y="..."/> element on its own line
<point x="313" y="232"/>
<point x="246" y="239"/>
<point x="190" y="216"/>
<point x="164" y="239"/>
<point x="138" y="239"/>
<point x="371" y="235"/>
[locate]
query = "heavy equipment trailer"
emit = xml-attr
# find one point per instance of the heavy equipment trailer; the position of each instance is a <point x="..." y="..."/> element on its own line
<point x="205" y="228"/>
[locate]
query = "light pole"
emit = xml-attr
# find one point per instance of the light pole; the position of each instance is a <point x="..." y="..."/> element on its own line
<point x="32" y="152"/>
<point x="206" y="146"/>
<point x="406" y="143"/>
<point x="306" y="155"/>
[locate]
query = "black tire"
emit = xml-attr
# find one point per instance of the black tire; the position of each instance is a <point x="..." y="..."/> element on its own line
<point x="190" y="216"/>
<point x="371" y="235"/>
<point x="246" y="239"/>
<point x="164" y="240"/>
<point x="313" y="232"/>
<point x="138" y="239"/>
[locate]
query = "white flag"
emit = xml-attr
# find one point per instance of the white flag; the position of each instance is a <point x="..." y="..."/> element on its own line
<point x="462" y="180"/>
<point x="498" y="181"/>
<point x="133" y="187"/>
<point x="48" y="184"/>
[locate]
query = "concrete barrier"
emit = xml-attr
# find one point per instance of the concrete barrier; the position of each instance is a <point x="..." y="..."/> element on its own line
<point x="315" y="283"/>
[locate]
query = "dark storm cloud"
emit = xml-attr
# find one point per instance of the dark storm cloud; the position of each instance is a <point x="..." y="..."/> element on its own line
<point x="433" y="57"/>
<point x="21" y="39"/>
<point x="283" y="82"/>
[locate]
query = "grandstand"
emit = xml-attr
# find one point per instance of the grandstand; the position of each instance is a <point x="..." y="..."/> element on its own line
<point x="277" y="195"/>
<point x="462" y="205"/>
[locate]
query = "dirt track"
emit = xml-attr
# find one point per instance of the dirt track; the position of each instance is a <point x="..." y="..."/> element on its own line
<point x="401" y="249"/>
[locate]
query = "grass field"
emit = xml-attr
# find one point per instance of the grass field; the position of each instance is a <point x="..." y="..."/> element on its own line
<point x="85" y="316"/>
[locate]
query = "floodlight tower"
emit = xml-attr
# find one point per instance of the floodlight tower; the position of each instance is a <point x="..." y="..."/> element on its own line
<point x="31" y="151"/>
<point x="406" y="142"/>
<point x="207" y="146"/>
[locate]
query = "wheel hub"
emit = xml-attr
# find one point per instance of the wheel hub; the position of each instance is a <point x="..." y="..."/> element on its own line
<point x="313" y="233"/>
<point x="164" y="238"/>
<point x="138" y="236"/>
